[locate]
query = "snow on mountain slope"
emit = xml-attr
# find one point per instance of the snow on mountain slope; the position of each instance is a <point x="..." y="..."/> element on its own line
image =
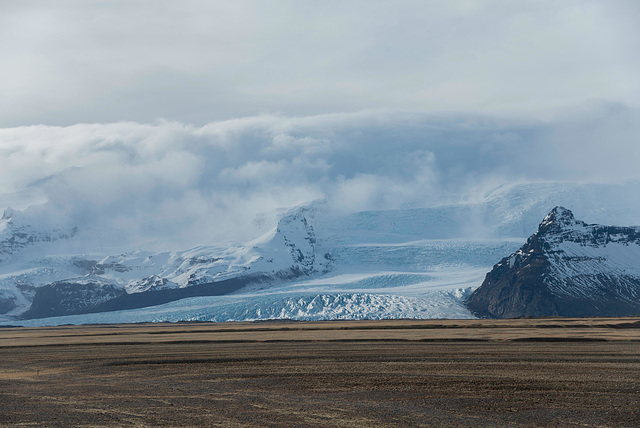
<point x="567" y="268"/>
<point x="515" y="210"/>
<point x="400" y="253"/>
<point x="412" y="288"/>
<point x="19" y="230"/>
<point x="509" y="211"/>
<point x="579" y="252"/>
<point x="285" y="252"/>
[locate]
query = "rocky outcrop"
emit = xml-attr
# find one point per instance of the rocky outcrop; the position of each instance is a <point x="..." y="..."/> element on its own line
<point x="567" y="268"/>
<point x="71" y="297"/>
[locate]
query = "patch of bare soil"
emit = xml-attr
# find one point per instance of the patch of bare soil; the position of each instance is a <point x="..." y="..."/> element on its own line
<point x="551" y="372"/>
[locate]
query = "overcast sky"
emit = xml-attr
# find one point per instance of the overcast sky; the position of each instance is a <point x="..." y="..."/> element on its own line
<point x="197" y="61"/>
<point x="194" y="117"/>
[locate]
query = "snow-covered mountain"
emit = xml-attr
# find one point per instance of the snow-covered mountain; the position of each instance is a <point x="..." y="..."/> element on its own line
<point x="567" y="268"/>
<point x="509" y="211"/>
<point x="313" y="263"/>
<point x="62" y="285"/>
<point x="19" y="230"/>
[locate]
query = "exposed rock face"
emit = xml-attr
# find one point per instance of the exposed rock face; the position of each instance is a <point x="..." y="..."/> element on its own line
<point x="6" y="304"/>
<point x="65" y="298"/>
<point x="299" y="238"/>
<point x="566" y="268"/>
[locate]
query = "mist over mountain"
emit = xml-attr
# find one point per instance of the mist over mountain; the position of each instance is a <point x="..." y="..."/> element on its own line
<point x="169" y="182"/>
<point x="407" y="262"/>
<point x="166" y="148"/>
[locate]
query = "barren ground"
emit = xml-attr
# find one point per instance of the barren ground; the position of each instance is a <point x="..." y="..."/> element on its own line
<point x="543" y="372"/>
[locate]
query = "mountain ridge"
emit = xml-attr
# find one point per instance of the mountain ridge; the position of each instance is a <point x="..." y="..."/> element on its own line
<point x="114" y="283"/>
<point x="432" y="255"/>
<point x="566" y="268"/>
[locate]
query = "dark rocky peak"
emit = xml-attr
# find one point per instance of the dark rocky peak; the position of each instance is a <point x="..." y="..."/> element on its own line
<point x="558" y="220"/>
<point x="560" y="225"/>
<point x="567" y="268"/>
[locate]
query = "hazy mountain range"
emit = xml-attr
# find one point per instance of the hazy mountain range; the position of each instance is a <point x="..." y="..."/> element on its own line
<point x="315" y="264"/>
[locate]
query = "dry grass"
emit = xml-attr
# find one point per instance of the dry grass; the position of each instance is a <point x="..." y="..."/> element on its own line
<point x="399" y="330"/>
<point x="542" y="372"/>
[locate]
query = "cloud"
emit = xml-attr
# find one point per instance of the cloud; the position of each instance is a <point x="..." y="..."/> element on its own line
<point x="273" y="105"/>
<point x="200" y="61"/>
<point x="190" y="185"/>
<point x="600" y="142"/>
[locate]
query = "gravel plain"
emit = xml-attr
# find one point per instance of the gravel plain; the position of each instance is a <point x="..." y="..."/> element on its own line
<point x="529" y="372"/>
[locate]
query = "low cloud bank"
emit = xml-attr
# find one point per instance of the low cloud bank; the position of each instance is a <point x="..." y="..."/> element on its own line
<point x="196" y="185"/>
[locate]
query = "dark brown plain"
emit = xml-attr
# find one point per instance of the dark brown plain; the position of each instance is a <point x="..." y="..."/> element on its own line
<point x="526" y="372"/>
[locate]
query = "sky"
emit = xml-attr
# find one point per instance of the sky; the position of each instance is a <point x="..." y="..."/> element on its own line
<point x="197" y="61"/>
<point x="195" y="117"/>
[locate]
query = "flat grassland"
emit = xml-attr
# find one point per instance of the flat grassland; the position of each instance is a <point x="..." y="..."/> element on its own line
<point x="526" y="372"/>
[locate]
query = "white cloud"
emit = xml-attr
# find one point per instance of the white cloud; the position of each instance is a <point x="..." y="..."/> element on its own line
<point x="274" y="104"/>
<point x="198" y="61"/>
<point x="197" y="185"/>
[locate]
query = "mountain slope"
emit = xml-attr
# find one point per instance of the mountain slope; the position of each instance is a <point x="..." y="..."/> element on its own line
<point x="140" y="279"/>
<point x="52" y="268"/>
<point x="566" y="268"/>
<point x="18" y="231"/>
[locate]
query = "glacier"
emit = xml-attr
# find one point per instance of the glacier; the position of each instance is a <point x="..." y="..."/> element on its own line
<point x="312" y="264"/>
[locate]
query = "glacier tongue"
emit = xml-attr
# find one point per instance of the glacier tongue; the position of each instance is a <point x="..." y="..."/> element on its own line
<point x="351" y="291"/>
<point x="284" y="253"/>
<point x="313" y="258"/>
<point x="308" y="307"/>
